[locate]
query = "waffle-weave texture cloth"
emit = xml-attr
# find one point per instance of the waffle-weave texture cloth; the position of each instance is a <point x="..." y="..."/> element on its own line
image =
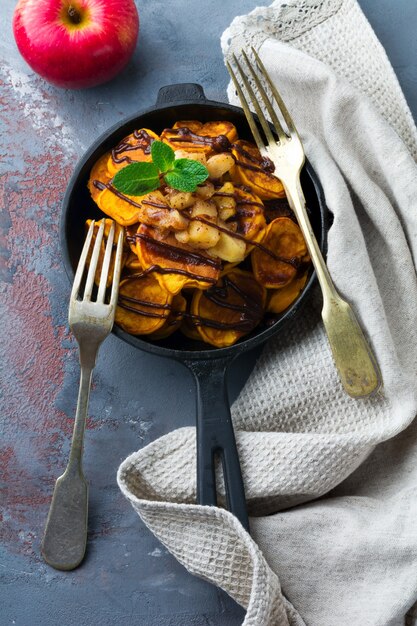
<point x="331" y="482"/>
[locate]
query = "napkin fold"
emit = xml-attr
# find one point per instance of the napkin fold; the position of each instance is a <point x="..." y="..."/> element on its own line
<point x="346" y="552"/>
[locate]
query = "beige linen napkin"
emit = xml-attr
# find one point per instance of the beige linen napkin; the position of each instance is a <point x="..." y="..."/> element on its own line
<point x="350" y="557"/>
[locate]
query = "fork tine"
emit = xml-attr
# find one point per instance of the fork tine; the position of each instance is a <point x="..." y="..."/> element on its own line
<point x="264" y="123"/>
<point x="287" y="117"/>
<point x="117" y="269"/>
<point x="93" y="263"/>
<point x="106" y="265"/>
<point x="274" y="118"/>
<point x="246" y="110"/>
<point x="81" y="263"/>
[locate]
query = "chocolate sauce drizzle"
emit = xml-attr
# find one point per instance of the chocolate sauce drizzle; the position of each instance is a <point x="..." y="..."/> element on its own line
<point x="250" y="311"/>
<point x="144" y="303"/>
<point x="218" y="294"/>
<point x="220" y="143"/>
<point x="157" y="269"/>
<point x="157" y="205"/>
<point x="265" y="165"/>
<point x="144" y="143"/>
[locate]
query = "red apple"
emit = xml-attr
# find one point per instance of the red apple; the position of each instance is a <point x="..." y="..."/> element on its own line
<point x="76" y="43"/>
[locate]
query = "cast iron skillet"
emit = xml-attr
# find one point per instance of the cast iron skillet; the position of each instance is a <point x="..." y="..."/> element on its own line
<point x="215" y="436"/>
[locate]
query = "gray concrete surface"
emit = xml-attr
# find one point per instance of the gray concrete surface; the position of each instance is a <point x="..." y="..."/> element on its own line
<point x="127" y="577"/>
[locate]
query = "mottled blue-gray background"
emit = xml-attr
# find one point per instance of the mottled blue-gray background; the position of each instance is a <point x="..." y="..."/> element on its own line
<point x="127" y="577"/>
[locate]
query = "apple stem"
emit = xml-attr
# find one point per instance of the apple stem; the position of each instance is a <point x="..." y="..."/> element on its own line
<point x="74" y="16"/>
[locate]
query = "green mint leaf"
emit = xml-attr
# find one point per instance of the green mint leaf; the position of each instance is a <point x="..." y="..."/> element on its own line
<point x="162" y="155"/>
<point x="186" y="175"/>
<point x="137" y="179"/>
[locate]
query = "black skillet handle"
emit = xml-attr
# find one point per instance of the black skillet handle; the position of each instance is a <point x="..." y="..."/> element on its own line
<point x="181" y="92"/>
<point x="215" y="437"/>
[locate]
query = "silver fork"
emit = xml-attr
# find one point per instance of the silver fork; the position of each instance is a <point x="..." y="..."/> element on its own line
<point x="65" y="537"/>
<point x="352" y="354"/>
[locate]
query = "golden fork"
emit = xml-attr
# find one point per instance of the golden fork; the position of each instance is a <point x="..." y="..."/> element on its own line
<point x="65" y="537"/>
<point x="352" y="354"/>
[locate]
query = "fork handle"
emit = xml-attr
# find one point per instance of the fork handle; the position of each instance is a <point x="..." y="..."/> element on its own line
<point x="65" y="537"/>
<point x="77" y="442"/>
<point x="352" y="354"/>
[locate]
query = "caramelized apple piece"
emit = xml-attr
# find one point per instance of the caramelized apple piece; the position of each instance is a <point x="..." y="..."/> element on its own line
<point x="107" y="226"/>
<point x="193" y="136"/>
<point x="238" y="205"/>
<point x="219" y="164"/>
<point x="205" y="190"/>
<point x="252" y="169"/>
<point x="242" y="216"/>
<point x="202" y="236"/>
<point x="281" y="299"/>
<point x="229" y="310"/>
<point x="157" y="212"/>
<point x="100" y="173"/>
<point x="194" y="156"/>
<point x="229" y="248"/>
<point x="284" y="240"/>
<point x="179" y="265"/>
<point x="174" y="319"/>
<point x="202" y="230"/>
<point x="225" y="200"/>
<point x="134" y="147"/>
<point x="180" y="200"/>
<point x="143" y="306"/>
